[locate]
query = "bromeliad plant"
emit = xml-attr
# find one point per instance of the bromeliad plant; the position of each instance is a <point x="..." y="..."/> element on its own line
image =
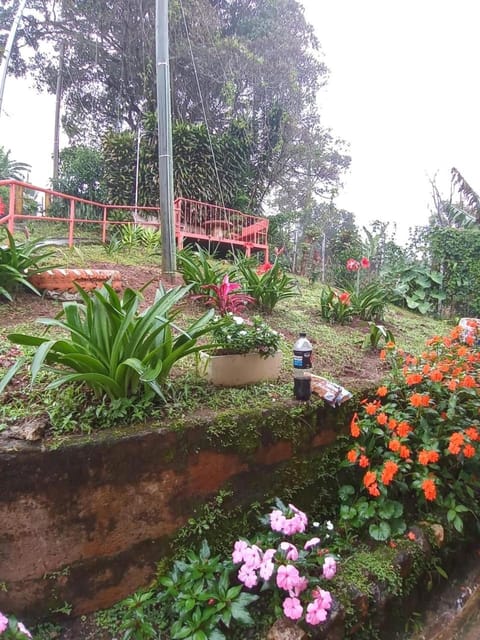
<point x="18" y="261"/>
<point x="289" y="562"/>
<point x="416" y="444"/>
<point x="225" y="298"/>
<point x="112" y="347"/>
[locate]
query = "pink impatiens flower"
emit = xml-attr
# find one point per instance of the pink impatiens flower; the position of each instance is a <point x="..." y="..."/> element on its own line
<point x="248" y="576"/>
<point x="315" y="613"/>
<point x="329" y="567"/>
<point x="277" y="520"/>
<point x="267" y="566"/>
<point x="291" y="552"/>
<point x="292" y="608"/>
<point x="311" y="543"/>
<point x="238" y="551"/>
<point x="287" y="577"/>
<point x="3" y="622"/>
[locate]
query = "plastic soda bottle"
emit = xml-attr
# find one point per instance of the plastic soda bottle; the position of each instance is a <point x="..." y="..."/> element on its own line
<point x="302" y="363"/>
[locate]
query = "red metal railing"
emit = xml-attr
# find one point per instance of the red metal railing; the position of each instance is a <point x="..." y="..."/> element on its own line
<point x="200" y="220"/>
<point x="193" y="219"/>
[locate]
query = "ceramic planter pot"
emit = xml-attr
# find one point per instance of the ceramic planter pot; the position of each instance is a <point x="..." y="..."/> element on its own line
<point x="236" y="370"/>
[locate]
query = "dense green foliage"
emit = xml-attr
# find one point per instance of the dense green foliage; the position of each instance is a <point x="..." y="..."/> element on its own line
<point x="456" y="253"/>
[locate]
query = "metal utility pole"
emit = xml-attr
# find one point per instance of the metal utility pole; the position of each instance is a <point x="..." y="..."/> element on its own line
<point x="9" y="47"/>
<point x="58" y="104"/>
<point x="165" y="157"/>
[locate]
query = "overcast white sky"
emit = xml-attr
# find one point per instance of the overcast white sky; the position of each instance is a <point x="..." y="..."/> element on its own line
<point x="402" y="91"/>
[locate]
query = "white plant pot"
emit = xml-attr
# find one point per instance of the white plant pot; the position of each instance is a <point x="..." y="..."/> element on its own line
<point x="237" y="370"/>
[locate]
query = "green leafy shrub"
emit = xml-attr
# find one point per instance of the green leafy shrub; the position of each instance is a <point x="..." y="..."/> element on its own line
<point x="112" y="347"/>
<point x="267" y="284"/>
<point x="419" y="288"/>
<point x="198" y="270"/>
<point x="18" y="261"/>
<point x="335" y="306"/>
<point x="370" y="302"/>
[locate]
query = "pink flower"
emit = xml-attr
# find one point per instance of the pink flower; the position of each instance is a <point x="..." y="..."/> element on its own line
<point x="247" y="576"/>
<point x="277" y="520"/>
<point x="315" y="613"/>
<point x="238" y="551"/>
<point x="291" y="552"/>
<point x="322" y="598"/>
<point x="22" y="629"/>
<point x="267" y="566"/>
<point x="353" y="265"/>
<point x="301" y="585"/>
<point x="292" y="608"/>
<point x="311" y="543"/>
<point x="329" y="568"/>
<point x="344" y="298"/>
<point x="3" y="622"/>
<point x="252" y="557"/>
<point x="287" y="577"/>
<point x="364" y="263"/>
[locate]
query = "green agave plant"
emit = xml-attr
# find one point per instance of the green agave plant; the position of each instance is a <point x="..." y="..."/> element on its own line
<point x="112" y="347"/>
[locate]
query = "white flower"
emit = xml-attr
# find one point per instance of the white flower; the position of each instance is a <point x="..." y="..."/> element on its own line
<point x="238" y="320"/>
<point x="329" y="525"/>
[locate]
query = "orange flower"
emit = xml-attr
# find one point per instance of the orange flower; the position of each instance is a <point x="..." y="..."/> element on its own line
<point x="411" y="536"/>
<point x="468" y="382"/>
<point x="404" y="452"/>
<point x="413" y="378"/>
<point x="452" y="385"/>
<point x="462" y="351"/>
<point x="429" y="489"/>
<point x="382" y="392"/>
<point x="390" y="345"/>
<point x="403" y="429"/>
<point x="354" y="426"/>
<point x="390" y="468"/>
<point x="426" y="369"/>
<point x="469" y="451"/>
<point x="436" y="376"/>
<point x="363" y="461"/>
<point x="456" y="443"/>
<point x="455" y="332"/>
<point x="425" y="456"/>
<point x="369" y="478"/>
<point x="373" y="490"/>
<point x="371" y="408"/>
<point x="383" y="354"/>
<point x="420" y="400"/>
<point x="382" y="419"/>
<point x="392" y="423"/>
<point x="352" y="456"/>
<point x="472" y="433"/>
<point x="394" y="445"/>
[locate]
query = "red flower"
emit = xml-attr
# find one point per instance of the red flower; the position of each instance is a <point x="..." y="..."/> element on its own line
<point x="364" y="461"/>
<point x="263" y="268"/>
<point x="353" y="265"/>
<point x="390" y="468"/>
<point x="352" y="456"/>
<point x="344" y="298"/>
<point x="365" y="263"/>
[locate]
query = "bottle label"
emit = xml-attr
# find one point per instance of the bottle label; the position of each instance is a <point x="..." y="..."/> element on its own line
<point x="302" y="359"/>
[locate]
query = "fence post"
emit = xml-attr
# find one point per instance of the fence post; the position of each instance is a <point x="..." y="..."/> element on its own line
<point x="11" y="209"/>
<point x="104" y="225"/>
<point x="71" y="223"/>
